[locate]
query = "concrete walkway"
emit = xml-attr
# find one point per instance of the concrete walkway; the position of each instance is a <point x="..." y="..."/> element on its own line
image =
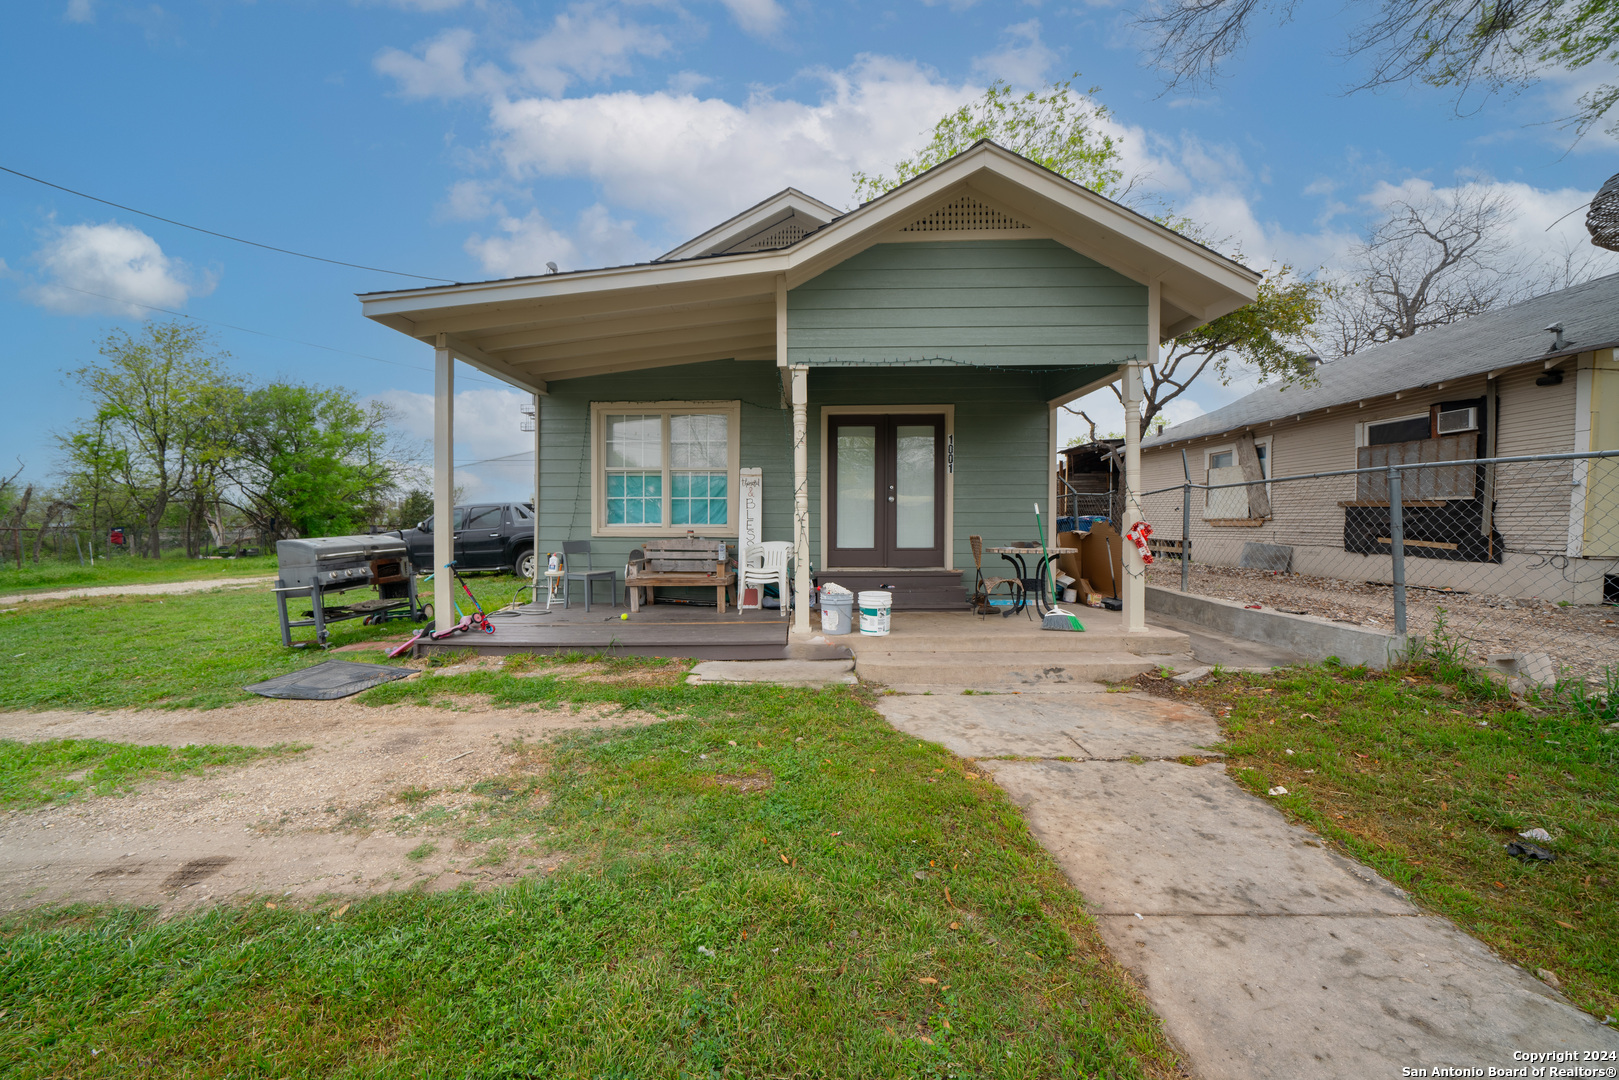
<point x="152" y="589"/>
<point x="1265" y="953"/>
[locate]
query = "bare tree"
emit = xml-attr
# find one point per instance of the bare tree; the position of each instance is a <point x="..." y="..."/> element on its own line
<point x="1495" y="45"/>
<point x="1433" y="260"/>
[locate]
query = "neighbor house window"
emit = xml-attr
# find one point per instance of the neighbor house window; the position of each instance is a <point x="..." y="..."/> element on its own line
<point x="665" y="468"/>
<point x="1398" y="430"/>
<point x="1232" y="503"/>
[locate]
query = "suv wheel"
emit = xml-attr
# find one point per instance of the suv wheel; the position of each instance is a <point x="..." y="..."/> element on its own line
<point x="524" y="566"/>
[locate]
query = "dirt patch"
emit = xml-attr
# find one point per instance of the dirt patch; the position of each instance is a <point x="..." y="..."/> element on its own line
<point x="152" y="589"/>
<point x="340" y="817"/>
<point x="756" y="781"/>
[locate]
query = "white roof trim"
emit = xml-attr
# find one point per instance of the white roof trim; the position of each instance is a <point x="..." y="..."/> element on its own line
<point x="752" y="221"/>
<point x="1195" y="284"/>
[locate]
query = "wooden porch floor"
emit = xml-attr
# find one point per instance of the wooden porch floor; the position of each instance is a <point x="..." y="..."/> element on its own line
<point x="702" y="633"/>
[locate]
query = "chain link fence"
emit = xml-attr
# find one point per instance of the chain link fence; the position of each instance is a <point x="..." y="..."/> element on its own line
<point x="1511" y="562"/>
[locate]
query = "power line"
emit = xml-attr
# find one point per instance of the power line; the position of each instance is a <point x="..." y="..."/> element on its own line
<point x="265" y="334"/>
<point x="223" y="236"/>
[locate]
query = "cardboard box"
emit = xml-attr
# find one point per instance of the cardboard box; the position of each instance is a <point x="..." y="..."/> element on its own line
<point x="1101" y="558"/>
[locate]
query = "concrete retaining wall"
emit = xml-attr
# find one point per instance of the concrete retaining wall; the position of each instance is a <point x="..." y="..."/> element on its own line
<point x="1310" y="637"/>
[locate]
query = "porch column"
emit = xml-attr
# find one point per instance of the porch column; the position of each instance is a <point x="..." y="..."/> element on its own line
<point x="539" y="561"/>
<point x="801" y="546"/>
<point x="1135" y="571"/>
<point x="443" y="481"/>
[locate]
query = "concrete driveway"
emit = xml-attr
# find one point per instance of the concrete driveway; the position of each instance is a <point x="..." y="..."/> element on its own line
<point x="1265" y="953"/>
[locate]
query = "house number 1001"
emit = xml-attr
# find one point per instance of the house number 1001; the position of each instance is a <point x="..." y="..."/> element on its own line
<point x="950" y="454"/>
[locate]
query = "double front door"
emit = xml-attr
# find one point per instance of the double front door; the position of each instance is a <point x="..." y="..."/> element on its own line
<point x="885" y="490"/>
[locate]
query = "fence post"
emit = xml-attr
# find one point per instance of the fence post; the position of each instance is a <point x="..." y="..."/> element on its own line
<point x="1186" y="535"/>
<point x="1397" y="548"/>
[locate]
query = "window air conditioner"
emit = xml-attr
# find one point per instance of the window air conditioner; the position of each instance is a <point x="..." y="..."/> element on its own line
<point x="1452" y="421"/>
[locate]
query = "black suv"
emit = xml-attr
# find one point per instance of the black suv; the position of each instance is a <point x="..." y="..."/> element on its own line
<point x="488" y="536"/>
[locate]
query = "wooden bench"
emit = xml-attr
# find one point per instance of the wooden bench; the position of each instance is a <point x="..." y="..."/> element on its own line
<point x="689" y="562"/>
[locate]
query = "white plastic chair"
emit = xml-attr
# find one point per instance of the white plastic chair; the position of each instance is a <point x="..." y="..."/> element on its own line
<point x="759" y="565"/>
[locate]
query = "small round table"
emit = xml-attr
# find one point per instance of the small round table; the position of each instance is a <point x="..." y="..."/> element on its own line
<point x="1033" y="584"/>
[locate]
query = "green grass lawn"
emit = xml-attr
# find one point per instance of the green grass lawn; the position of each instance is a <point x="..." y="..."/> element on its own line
<point x="770" y="882"/>
<point x="34" y="773"/>
<point x="50" y="575"/>
<point x="194" y="650"/>
<point x="1425" y="777"/>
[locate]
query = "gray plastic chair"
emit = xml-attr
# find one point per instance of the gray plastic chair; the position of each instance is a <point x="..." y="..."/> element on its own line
<point x="588" y="575"/>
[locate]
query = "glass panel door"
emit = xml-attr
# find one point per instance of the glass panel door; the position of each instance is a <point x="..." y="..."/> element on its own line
<point x="913" y="486"/>
<point x="886" y="490"/>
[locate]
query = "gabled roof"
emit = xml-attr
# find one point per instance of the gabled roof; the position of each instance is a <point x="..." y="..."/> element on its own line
<point x="779" y="221"/>
<point x="680" y="310"/>
<point x="1495" y="340"/>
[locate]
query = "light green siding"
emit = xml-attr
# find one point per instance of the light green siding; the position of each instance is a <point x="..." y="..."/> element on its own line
<point x="1002" y="447"/>
<point x="1003" y="462"/>
<point x="1001" y="302"/>
<point x="565" y="443"/>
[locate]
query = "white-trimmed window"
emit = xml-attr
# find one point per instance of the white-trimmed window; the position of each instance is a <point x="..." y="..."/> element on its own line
<point x="1396" y="429"/>
<point x="664" y="468"/>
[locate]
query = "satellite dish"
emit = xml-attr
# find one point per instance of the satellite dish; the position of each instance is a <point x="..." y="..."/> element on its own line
<point x="552" y="267"/>
<point x="1602" y="221"/>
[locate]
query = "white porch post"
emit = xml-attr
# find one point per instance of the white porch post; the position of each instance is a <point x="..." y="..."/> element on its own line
<point x="539" y="561"/>
<point x="801" y="547"/>
<point x="1135" y="580"/>
<point x="443" y="481"/>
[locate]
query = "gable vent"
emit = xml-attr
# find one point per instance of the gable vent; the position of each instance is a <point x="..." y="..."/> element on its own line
<point x="785" y="234"/>
<point x="964" y="214"/>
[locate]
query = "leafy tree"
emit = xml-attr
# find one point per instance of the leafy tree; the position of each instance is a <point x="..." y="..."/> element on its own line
<point x="155" y="397"/>
<point x="307" y="461"/>
<point x="1454" y="44"/>
<point x="414" y="508"/>
<point x="1055" y="127"/>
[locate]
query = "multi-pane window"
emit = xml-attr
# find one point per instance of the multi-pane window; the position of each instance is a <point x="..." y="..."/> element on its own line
<point x="668" y="469"/>
<point x="634" y="469"/>
<point x="699" y="480"/>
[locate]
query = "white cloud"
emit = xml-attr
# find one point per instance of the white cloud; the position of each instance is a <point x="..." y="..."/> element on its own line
<point x="440" y="69"/>
<point x="524" y="245"/>
<point x="759" y="17"/>
<point x="1022" y="59"/>
<point x="121" y="266"/>
<point x="471" y="200"/>
<point x="696" y="161"/>
<point x="584" y="44"/>
<point x="80" y="11"/>
<point x="489" y="438"/>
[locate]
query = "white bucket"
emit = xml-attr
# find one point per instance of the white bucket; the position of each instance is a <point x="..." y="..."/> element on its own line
<point x="875" y="605"/>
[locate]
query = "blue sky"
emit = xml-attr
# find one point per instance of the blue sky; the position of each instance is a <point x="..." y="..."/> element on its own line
<point x="465" y="140"/>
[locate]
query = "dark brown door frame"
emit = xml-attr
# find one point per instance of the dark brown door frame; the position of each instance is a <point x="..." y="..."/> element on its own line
<point x="885" y="552"/>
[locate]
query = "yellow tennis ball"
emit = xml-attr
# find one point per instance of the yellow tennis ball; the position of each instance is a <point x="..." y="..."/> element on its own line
<point x="624" y="615"/>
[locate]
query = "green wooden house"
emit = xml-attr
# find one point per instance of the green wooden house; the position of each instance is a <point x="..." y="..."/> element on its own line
<point x="892" y="372"/>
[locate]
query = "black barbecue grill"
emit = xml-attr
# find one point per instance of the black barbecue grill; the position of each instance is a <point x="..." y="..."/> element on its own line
<point x="321" y="567"/>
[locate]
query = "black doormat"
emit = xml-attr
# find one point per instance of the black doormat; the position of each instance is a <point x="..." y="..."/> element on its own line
<point x="324" y="682"/>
